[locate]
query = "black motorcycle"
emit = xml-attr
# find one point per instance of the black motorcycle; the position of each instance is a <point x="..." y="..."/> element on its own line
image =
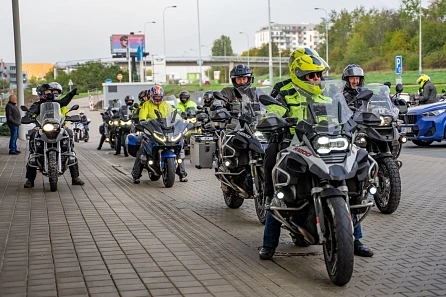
<point x="378" y="133"/>
<point x="51" y="151"/>
<point x="239" y="157"/>
<point x="319" y="180"/>
<point x="123" y="129"/>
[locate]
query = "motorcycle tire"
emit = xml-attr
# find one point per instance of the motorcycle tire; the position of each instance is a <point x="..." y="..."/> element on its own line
<point x="169" y="172"/>
<point x="154" y="177"/>
<point x="259" y="202"/>
<point x="76" y="137"/>
<point x="388" y="194"/>
<point x="396" y="150"/>
<point x="52" y="170"/>
<point x="87" y="138"/>
<point x="232" y="200"/>
<point x="421" y="142"/>
<point x="339" y="246"/>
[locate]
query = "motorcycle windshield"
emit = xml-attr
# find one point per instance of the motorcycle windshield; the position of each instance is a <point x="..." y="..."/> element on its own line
<point x="50" y="113"/>
<point x="326" y="113"/>
<point x="125" y="113"/>
<point x="191" y="112"/>
<point x="380" y="104"/>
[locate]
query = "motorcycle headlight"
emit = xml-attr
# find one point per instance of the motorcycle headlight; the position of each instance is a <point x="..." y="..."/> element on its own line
<point x="160" y="138"/>
<point x="110" y="122"/>
<point x="116" y="122"/>
<point x="433" y="113"/>
<point x="125" y="123"/>
<point x="176" y="137"/>
<point x="48" y="127"/>
<point x="324" y="144"/>
<point x="385" y="120"/>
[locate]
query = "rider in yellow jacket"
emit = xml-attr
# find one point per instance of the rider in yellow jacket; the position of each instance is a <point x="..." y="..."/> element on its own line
<point x="185" y="102"/>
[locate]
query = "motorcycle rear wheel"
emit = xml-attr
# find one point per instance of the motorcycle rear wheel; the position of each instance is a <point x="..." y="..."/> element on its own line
<point x="52" y="170"/>
<point x="169" y="172"/>
<point x="339" y="247"/>
<point x="388" y="194"/>
<point x="76" y="137"/>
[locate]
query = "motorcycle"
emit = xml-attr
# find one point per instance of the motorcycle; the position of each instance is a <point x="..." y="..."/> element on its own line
<point x="79" y="133"/>
<point x="401" y="104"/>
<point x="378" y="133"/>
<point x="239" y="157"/>
<point x="123" y="129"/>
<point x="190" y="116"/>
<point x="162" y="140"/>
<point x="51" y="149"/>
<point x="319" y="181"/>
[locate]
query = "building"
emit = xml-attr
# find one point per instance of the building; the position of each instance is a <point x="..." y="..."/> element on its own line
<point x="289" y="36"/>
<point x="37" y="70"/>
<point x="8" y="73"/>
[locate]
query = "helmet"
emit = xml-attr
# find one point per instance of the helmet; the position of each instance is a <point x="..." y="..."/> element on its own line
<point x="184" y="96"/>
<point x="56" y="87"/>
<point x="304" y="61"/>
<point x="129" y="100"/>
<point x="81" y="112"/>
<point x="241" y="71"/>
<point x="141" y="95"/>
<point x="353" y="70"/>
<point x="48" y="96"/>
<point x="208" y="97"/>
<point x="157" y="94"/>
<point x="422" y="80"/>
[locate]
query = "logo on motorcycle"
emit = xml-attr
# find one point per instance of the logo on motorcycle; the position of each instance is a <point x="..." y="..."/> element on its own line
<point x="303" y="152"/>
<point x="244" y="134"/>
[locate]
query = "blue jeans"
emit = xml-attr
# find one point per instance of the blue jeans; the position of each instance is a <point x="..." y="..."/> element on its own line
<point x="14" y="129"/>
<point x="271" y="233"/>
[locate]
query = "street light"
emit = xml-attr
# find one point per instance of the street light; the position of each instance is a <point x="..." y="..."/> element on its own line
<point x="199" y="40"/>
<point x="145" y="58"/>
<point x="164" y="28"/>
<point x="247" y="38"/>
<point x="270" y="60"/>
<point x="326" y="33"/>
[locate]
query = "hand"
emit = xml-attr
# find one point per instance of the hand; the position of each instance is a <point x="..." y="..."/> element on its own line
<point x="74" y="92"/>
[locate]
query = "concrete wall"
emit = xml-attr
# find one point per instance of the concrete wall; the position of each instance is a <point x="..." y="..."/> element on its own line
<point x="120" y="90"/>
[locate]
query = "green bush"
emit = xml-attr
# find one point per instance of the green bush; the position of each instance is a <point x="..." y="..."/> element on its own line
<point x="4" y="130"/>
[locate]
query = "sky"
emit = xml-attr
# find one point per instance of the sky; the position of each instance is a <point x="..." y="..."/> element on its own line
<point x="67" y="30"/>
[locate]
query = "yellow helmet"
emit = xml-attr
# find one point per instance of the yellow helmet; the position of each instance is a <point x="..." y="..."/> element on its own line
<point x="304" y="61"/>
<point x="422" y="80"/>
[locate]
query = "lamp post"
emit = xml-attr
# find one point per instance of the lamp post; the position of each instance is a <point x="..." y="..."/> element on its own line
<point x="145" y="58"/>
<point x="326" y="33"/>
<point x="199" y="42"/>
<point x="18" y="60"/>
<point x="270" y="60"/>
<point x="164" y="33"/>
<point x="247" y="38"/>
<point x="419" y="57"/>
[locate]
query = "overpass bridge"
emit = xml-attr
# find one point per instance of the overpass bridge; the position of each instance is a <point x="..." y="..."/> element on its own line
<point x="229" y="61"/>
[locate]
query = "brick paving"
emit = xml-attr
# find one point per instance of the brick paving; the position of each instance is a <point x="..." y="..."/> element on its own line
<point x="113" y="238"/>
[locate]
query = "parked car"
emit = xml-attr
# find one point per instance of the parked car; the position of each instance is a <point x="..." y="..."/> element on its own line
<point x="425" y="124"/>
<point x="2" y="120"/>
<point x="266" y="82"/>
<point x="183" y="82"/>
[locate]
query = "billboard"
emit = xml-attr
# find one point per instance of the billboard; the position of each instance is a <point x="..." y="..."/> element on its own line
<point x="120" y="42"/>
<point x="159" y="69"/>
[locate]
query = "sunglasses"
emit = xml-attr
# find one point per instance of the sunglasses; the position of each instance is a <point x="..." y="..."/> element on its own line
<point x="314" y="74"/>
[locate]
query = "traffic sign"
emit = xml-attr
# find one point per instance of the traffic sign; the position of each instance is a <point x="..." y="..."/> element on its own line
<point x="399" y="65"/>
<point x="108" y="81"/>
<point x="119" y="76"/>
<point x="70" y="83"/>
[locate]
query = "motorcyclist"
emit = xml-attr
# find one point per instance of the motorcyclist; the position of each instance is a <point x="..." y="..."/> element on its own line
<point x="185" y="102"/>
<point x="46" y="94"/>
<point x="147" y="112"/>
<point x="427" y="91"/>
<point x="242" y="78"/>
<point x="353" y="75"/>
<point x="84" y="121"/>
<point x="126" y="111"/>
<point x="108" y="113"/>
<point x="306" y="69"/>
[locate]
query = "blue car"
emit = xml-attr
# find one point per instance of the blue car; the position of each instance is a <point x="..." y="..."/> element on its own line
<point x="425" y="124"/>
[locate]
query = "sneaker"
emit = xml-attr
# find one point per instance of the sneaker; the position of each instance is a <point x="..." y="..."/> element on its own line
<point x="29" y="184"/>
<point x="18" y="152"/>
<point x="136" y="180"/>
<point x="14" y="153"/>
<point x="98" y="148"/>
<point x="266" y="253"/>
<point x="117" y="154"/>
<point x="183" y="178"/>
<point x="362" y="250"/>
<point x="77" y="182"/>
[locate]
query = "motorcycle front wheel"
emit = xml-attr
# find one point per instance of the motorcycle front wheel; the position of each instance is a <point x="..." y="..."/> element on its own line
<point x="76" y="137"/>
<point x="232" y="200"/>
<point x="339" y="247"/>
<point x="260" y="200"/>
<point x="169" y="172"/>
<point x="52" y="170"/>
<point x="388" y="194"/>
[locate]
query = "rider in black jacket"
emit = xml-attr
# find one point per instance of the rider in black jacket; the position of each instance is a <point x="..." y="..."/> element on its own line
<point x="46" y="94"/>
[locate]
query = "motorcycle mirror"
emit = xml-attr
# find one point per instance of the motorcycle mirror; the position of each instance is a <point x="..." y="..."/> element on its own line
<point x="443" y="91"/>
<point x="131" y="108"/>
<point x="24" y="108"/>
<point x="26" y="120"/>
<point x="220" y="96"/>
<point x="268" y="100"/>
<point x="74" y="107"/>
<point x="174" y="116"/>
<point x="364" y="95"/>
<point x="399" y="88"/>
<point x="199" y="107"/>
<point x="136" y="105"/>
<point x="73" y="118"/>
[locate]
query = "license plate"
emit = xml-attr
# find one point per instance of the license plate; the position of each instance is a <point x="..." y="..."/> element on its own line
<point x="406" y="129"/>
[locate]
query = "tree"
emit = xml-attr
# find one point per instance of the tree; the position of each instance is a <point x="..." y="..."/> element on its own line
<point x="222" y="47"/>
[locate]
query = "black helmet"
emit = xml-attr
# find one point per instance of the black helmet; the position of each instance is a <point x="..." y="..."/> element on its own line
<point x="129" y="100"/>
<point x="43" y="96"/>
<point x="241" y="71"/>
<point x="184" y="96"/>
<point x="141" y="95"/>
<point x="353" y="70"/>
<point x="208" y="97"/>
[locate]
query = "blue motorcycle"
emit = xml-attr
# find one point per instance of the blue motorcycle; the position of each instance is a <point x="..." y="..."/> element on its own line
<point x="162" y="140"/>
